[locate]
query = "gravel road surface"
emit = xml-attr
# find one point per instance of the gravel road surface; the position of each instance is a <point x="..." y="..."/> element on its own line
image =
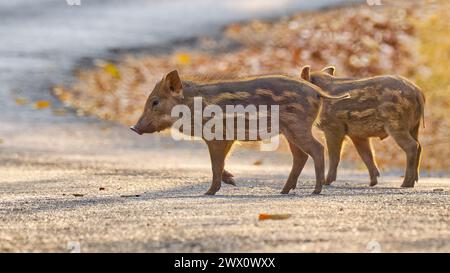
<point x="146" y="194"/>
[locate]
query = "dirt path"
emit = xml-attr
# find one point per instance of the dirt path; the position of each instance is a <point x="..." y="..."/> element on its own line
<point x="38" y="211"/>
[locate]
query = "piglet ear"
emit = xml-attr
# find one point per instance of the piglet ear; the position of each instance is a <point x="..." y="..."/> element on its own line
<point x="330" y="70"/>
<point x="305" y="73"/>
<point x="173" y="82"/>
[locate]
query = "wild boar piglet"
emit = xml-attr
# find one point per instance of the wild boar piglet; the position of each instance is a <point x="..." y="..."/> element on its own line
<point x="298" y="103"/>
<point x="378" y="106"/>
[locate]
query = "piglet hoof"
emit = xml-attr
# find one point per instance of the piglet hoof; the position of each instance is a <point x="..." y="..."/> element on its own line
<point x="408" y="182"/>
<point x="407" y="185"/>
<point x="229" y="181"/>
<point x="287" y="187"/>
<point x="210" y="192"/>
<point x="373" y="179"/>
<point x="328" y="181"/>
<point x="317" y="191"/>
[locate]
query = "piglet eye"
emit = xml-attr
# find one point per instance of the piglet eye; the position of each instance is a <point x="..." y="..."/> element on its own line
<point x="155" y="103"/>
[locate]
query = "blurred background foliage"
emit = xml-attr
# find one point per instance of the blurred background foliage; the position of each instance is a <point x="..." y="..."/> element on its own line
<point x="409" y="38"/>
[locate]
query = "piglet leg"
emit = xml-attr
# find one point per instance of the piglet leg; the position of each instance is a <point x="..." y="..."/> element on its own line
<point x="218" y="150"/>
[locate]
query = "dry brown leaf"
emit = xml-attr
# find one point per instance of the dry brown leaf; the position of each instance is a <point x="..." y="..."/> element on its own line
<point x="78" y="194"/>
<point x="183" y="58"/>
<point x="112" y="70"/>
<point x="41" y="104"/>
<point x="21" y="101"/>
<point x="258" y="162"/>
<point x="264" y="216"/>
<point x="59" y="111"/>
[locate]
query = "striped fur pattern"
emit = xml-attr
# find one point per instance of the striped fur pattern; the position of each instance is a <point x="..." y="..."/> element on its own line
<point x="379" y="106"/>
<point x="299" y="106"/>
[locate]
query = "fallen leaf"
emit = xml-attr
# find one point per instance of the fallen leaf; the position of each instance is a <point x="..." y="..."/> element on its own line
<point x="438" y="189"/>
<point x="263" y="216"/>
<point x="258" y="162"/>
<point x="41" y="104"/>
<point x="62" y="94"/>
<point x="78" y="194"/>
<point x="80" y="113"/>
<point x="183" y="58"/>
<point x="59" y="111"/>
<point x="101" y="189"/>
<point x="105" y="129"/>
<point x="21" y="101"/>
<point x="131" y="195"/>
<point x="112" y="70"/>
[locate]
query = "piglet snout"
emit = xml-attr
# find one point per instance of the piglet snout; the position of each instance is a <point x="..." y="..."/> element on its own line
<point x="136" y="129"/>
